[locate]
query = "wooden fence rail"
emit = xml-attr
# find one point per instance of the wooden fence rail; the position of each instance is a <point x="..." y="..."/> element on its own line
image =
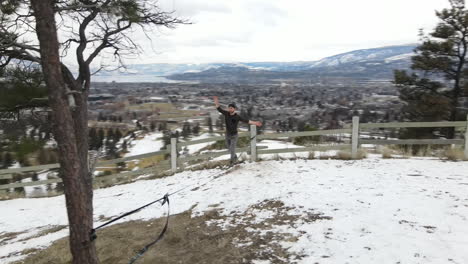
<point x="176" y="162"/>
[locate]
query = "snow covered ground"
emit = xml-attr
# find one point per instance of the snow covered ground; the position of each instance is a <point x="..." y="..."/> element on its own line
<point x="379" y="210"/>
<point x="197" y="147"/>
<point x="150" y="143"/>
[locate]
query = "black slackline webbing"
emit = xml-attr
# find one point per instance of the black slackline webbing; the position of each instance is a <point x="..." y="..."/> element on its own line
<point x="93" y="231"/>
<point x="161" y="235"/>
<point x="164" y="199"/>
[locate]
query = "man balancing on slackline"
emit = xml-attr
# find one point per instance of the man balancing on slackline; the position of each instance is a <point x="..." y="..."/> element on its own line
<point x="232" y="121"/>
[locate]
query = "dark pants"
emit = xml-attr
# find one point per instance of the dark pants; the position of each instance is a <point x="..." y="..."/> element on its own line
<point x="231" y="142"/>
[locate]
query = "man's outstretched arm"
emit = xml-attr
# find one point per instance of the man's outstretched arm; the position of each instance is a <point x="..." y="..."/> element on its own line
<point x="216" y="101"/>
<point x="218" y="107"/>
<point x="257" y="123"/>
<point x="251" y="122"/>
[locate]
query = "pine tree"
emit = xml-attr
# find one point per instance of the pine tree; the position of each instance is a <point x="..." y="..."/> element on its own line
<point x="166" y="138"/>
<point x="93" y="139"/>
<point x="432" y="92"/>
<point x="209" y="122"/>
<point x="7" y="160"/>
<point x="124" y="145"/>
<point x="110" y="136"/>
<point x="34" y="176"/>
<point x="196" y="129"/>
<point x="26" y="90"/>
<point x="101" y="136"/>
<point x="138" y="125"/>
<point x="300" y="126"/>
<point x="185" y="130"/>
<point x="117" y="135"/>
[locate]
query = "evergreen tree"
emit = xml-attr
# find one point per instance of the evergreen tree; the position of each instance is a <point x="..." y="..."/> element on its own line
<point x="138" y="125"/>
<point x="166" y="138"/>
<point x="185" y="130"/>
<point x="300" y="126"/>
<point x="432" y="92"/>
<point x="34" y="176"/>
<point x="7" y="160"/>
<point x="101" y="136"/>
<point x="24" y="89"/>
<point x="209" y="122"/>
<point x="196" y="129"/>
<point x="117" y="135"/>
<point x="110" y="135"/>
<point x="94" y="141"/>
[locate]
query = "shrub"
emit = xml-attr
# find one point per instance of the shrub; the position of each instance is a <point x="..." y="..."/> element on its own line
<point x="454" y="154"/>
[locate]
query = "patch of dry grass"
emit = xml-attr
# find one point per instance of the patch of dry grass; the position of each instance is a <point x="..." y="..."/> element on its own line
<point x="386" y="153"/>
<point x="44" y="232"/>
<point x="145" y="162"/>
<point x="346" y="155"/>
<point x="11" y="195"/>
<point x="210" y="165"/>
<point x="192" y="239"/>
<point x="454" y="154"/>
<point x="4" y="237"/>
<point x="164" y="107"/>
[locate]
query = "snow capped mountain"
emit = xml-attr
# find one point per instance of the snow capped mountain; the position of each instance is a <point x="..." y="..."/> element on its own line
<point x="386" y="54"/>
<point x="368" y="63"/>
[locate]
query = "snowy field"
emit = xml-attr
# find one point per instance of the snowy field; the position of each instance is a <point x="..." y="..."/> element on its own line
<point x="377" y="210"/>
<point x="197" y="147"/>
<point x="150" y="143"/>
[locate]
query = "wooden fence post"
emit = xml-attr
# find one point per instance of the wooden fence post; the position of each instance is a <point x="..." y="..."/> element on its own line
<point x="253" y="143"/>
<point x="466" y="138"/>
<point x="355" y="137"/>
<point x="174" y="155"/>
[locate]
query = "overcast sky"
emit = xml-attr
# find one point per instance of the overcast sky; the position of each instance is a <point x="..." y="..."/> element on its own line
<point x="285" y="30"/>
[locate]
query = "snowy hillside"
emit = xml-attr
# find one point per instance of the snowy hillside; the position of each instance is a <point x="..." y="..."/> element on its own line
<point x="371" y="211"/>
<point x="390" y="56"/>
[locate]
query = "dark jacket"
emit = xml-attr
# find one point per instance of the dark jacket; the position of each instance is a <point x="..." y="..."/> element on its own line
<point x="232" y="121"/>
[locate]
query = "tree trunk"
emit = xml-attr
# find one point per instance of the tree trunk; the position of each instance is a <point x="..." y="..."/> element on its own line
<point x="70" y="135"/>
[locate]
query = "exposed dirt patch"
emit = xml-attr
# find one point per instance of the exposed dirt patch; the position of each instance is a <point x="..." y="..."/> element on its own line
<point x="44" y="232"/>
<point x="5" y="237"/>
<point x="239" y="237"/>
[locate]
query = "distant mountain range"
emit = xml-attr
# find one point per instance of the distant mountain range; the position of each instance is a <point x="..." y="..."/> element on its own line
<point x="376" y="63"/>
